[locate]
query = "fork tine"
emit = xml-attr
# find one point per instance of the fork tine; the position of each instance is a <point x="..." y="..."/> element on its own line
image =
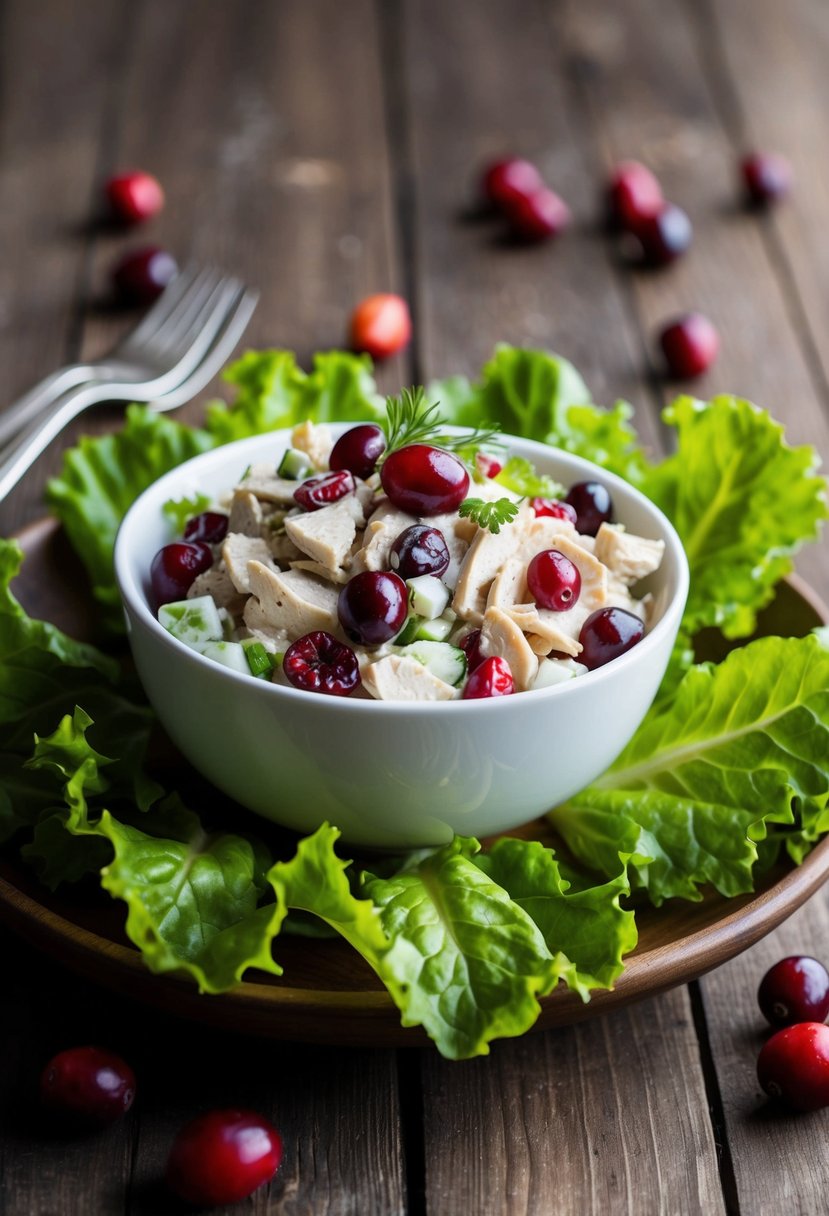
<point x="191" y="315"/>
<point x="158" y="315"/>
<point x="192" y="346"/>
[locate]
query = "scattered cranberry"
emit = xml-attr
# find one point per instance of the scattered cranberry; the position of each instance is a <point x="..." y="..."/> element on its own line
<point x="555" y="509"/>
<point x="508" y="180"/>
<point x="222" y="1157"/>
<point x="372" y="607"/>
<point x="210" y="526"/>
<point x="134" y="197"/>
<point x="488" y="466"/>
<point x="793" y="1066"/>
<point x="767" y="177"/>
<point x="665" y="236"/>
<point x="89" y="1083"/>
<point x="321" y="491"/>
<point x="538" y="216"/>
<point x="593" y="506"/>
<point x="419" y="550"/>
<point x="470" y="644"/>
<point x="381" y="325"/>
<point x="607" y="633"/>
<point x="690" y="345"/>
<point x="141" y="275"/>
<point x="175" y="567"/>
<point x="358" y="450"/>
<point x="633" y="195"/>
<point x="424" y="480"/>
<point x="492" y="678"/>
<point x="317" y="662"/>
<point x="795" y="990"/>
<point x="555" y="581"/>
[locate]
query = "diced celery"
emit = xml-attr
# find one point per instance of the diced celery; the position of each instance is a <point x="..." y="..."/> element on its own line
<point x="409" y="631"/>
<point x="259" y="661"/>
<point x="427" y="595"/>
<point x="437" y="630"/>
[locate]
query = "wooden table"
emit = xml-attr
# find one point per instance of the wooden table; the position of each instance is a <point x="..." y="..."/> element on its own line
<point x="325" y="150"/>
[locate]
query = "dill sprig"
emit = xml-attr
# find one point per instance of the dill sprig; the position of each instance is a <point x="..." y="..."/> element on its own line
<point x="410" y="419"/>
<point x="489" y="514"/>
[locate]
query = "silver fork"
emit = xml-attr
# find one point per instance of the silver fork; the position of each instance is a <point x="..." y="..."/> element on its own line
<point x="154" y="355"/>
<point x="218" y="325"/>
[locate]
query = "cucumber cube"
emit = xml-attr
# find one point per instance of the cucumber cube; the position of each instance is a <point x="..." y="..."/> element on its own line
<point x="194" y="622"/>
<point x="427" y="595"/>
<point x="557" y="671"/>
<point x="294" y="465"/>
<point x="446" y="662"/>
<point x="437" y="630"/>
<point x="409" y="631"/>
<point x="229" y="654"/>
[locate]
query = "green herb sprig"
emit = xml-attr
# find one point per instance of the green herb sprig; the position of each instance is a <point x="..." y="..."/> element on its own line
<point x="409" y="419"/>
<point x="489" y="514"/>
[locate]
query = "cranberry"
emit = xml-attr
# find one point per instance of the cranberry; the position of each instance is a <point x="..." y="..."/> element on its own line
<point x="175" y="567"/>
<point x="508" y="180"/>
<point x="593" y="506"/>
<point x="372" y="607"/>
<point x="488" y="465"/>
<point x="470" y="644"/>
<point x="134" y="197"/>
<point x="321" y="491"/>
<point x="210" y="526"/>
<point x="141" y="275"/>
<point x="538" y="216"/>
<point x="419" y="550"/>
<point x="633" y="195"/>
<point x="381" y="325"/>
<point x="555" y="581"/>
<point x="317" y="662"/>
<point x="607" y="633"/>
<point x="795" y="990"/>
<point x="793" y="1066"/>
<point x="690" y="345"/>
<point x="491" y="678"/>
<point x="767" y="177"/>
<point x="665" y="235"/>
<point x="554" y="508"/>
<point x="424" y="480"/>
<point x="89" y="1083"/>
<point x="358" y="450"/>
<point x="222" y="1157"/>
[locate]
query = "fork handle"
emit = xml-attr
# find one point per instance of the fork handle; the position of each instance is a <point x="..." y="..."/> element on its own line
<point x="22" y="452"/>
<point x="30" y="405"/>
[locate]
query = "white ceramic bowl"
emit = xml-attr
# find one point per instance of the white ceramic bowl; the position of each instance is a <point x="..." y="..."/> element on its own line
<point x="389" y="774"/>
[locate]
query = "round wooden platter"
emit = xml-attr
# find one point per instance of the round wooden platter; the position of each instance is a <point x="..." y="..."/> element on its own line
<point x="328" y="994"/>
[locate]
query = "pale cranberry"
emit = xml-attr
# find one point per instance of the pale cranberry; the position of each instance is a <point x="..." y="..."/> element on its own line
<point x="424" y="480"/>
<point x="317" y="662"/>
<point x="381" y="325"/>
<point x="553" y="580"/>
<point x="419" y="550"/>
<point x="134" y="197"/>
<point x="222" y="1157"/>
<point x="209" y="526"/>
<point x="358" y="450"/>
<point x="372" y="607"/>
<point x="142" y="274"/>
<point x="324" y="489"/>
<point x="593" y="506"/>
<point x="491" y="678"/>
<point x="793" y="1066"/>
<point x="795" y="990"/>
<point x="507" y="180"/>
<point x="767" y="177"/>
<point x="175" y="567"/>
<point x="608" y="633"/>
<point x="555" y="509"/>
<point x="88" y="1083"/>
<point x="633" y="195"/>
<point x="690" y="345"/>
<point x="538" y="216"/>
<point x="665" y="236"/>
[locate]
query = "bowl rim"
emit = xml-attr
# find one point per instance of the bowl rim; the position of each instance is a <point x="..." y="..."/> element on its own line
<point x="134" y="599"/>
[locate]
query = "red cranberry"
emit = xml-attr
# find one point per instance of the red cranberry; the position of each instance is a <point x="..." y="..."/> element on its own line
<point x="665" y="235"/>
<point x="555" y="509"/>
<point x="134" y="197"/>
<point x="793" y="1066"/>
<point x="175" y="567"/>
<point x="222" y="1157"/>
<point x="607" y="633"/>
<point x="321" y="491"/>
<point x="317" y="662"/>
<point x="381" y="325"/>
<point x="795" y="990"/>
<point x="491" y="678"/>
<point x="419" y="550"/>
<point x="593" y="506"/>
<point x="372" y="607"/>
<point x="141" y="275"/>
<point x="210" y="526"/>
<point x="470" y="644"/>
<point x="508" y="180"/>
<point x="424" y="480"/>
<point x="89" y="1083"/>
<point x="767" y="177"/>
<point x="358" y="450"/>
<point x="633" y="195"/>
<point x="538" y="216"/>
<point x="488" y="465"/>
<point x="555" y="581"/>
<point x="690" y="345"/>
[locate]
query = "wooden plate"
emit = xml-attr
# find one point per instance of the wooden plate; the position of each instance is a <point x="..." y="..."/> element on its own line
<point x="328" y="994"/>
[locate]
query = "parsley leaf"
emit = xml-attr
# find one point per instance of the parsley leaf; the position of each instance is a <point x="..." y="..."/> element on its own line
<point x="489" y="514"/>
